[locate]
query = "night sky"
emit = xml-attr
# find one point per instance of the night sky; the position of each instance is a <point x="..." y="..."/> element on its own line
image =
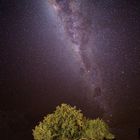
<point x="81" y="52"/>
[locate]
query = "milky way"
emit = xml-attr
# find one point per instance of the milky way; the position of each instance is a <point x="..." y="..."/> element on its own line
<point x="81" y="52"/>
<point x="77" y="29"/>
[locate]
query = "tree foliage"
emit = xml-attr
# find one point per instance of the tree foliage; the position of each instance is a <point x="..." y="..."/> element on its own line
<point x="68" y="123"/>
<point x="97" y="130"/>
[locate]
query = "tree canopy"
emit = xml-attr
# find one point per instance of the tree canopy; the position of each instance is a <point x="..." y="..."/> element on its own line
<point x="68" y="123"/>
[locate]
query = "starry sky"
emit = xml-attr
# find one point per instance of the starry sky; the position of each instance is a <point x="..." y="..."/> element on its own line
<point x="84" y="53"/>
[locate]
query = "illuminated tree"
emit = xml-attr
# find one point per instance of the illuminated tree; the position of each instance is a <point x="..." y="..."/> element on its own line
<point x="68" y="123"/>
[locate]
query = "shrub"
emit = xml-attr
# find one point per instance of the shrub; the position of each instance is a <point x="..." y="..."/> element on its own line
<point x="97" y="130"/>
<point x="68" y="123"/>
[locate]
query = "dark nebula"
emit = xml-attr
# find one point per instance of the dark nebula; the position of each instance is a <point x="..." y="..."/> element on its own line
<point x="80" y="52"/>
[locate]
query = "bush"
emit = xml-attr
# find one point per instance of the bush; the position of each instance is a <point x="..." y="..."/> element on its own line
<point x="97" y="130"/>
<point x="68" y="123"/>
